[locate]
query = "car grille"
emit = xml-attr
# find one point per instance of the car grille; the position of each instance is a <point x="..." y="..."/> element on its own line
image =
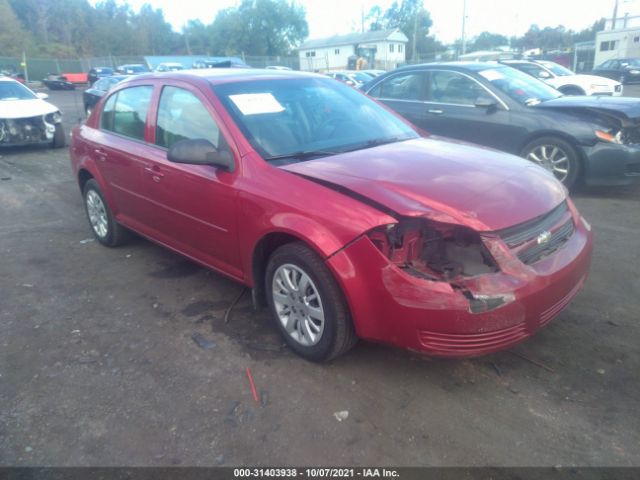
<point x="471" y="343"/>
<point x="551" y="312"/>
<point x="22" y="130"/>
<point x="537" y="238"/>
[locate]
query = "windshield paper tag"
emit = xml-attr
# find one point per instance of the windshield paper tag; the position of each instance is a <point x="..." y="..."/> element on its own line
<point x="492" y="75"/>
<point x="256" y="103"/>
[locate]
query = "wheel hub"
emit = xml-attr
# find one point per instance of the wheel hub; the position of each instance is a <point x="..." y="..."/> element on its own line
<point x="298" y="304"/>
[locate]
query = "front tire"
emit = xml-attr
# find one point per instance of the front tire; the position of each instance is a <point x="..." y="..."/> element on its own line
<point x="572" y="91"/>
<point x="555" y="155"/>
<point x="106" y="230"/>
<point x="307" y="304"/>
<point x="59" y="138"/>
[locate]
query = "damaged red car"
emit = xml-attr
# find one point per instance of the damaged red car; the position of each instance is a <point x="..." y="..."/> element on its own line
<point x="341" y="217"/>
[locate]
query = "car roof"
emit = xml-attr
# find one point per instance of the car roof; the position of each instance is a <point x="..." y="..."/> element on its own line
<point x="462" y="66"/>
<point x="217" y="76"/>
<point x="7" y="79"/>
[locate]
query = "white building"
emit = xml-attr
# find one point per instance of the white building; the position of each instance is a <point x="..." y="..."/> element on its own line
<point x="385" y="49"/>
<point x="619" y="39"/>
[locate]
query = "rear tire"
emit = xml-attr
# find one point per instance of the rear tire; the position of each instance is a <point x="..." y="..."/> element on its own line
<point x="555" y="154"/>
<point x="307" y="304"/>
<point x="106" y="230"/>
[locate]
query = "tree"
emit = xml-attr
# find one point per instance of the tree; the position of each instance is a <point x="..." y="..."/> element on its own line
<point x="13" y="38"/>
<point x="488" y="41"/>
<point x="411" y="18"/>
<point x="258" y="27"/>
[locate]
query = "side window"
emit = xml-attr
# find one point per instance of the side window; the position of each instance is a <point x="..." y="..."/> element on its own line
<point x="454" y="88"/>
<point x="182" y="116"/>
<point x="128" y="116"/>
<point x="106" y="120"/>
<point x="407" y="86"/>
<point x="531" y="69"/>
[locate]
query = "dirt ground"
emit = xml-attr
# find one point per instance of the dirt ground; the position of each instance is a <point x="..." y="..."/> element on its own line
<point x="98" y="365"/>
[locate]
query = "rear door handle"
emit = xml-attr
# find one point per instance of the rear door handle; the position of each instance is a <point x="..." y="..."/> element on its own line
<point x="435" y="111"/>
<point x="100" y="153"/>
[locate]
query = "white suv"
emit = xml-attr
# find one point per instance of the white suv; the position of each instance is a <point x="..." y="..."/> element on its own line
<point x="565" y="80"/>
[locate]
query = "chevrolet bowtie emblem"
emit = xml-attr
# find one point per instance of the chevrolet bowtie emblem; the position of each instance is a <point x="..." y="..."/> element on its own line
<point x="543" y="237"/>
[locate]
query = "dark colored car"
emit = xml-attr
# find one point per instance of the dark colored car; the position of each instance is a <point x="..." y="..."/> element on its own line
<point x="58" y="82"/>
<point x="220" y="62"/>
<point x="92" y="95"/>
<point x="132" y="69"/>
<point x="334" y="210"/>
<point x="98" y="72"/>
<point x="624" y="70"/>
<point x="594" y="139"/>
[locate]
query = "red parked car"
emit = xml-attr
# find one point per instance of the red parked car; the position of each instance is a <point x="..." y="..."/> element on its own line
<point x="340" y="216"/>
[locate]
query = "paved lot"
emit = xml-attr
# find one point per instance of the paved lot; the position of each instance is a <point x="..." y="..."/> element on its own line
<point x="98" y="367"/>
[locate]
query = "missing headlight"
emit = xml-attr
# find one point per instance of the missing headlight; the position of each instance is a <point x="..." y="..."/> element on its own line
<point x="432" y="250"/>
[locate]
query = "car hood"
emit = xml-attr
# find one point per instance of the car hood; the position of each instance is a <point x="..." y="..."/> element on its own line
<point x="25" y="108"/>
<point x="456" y="183"/>
<point x="628" y="107"/>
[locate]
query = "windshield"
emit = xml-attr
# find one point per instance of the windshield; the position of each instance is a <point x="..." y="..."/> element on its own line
<point x="519" y="86"/>
<point x="558" y="69"/>
<point x="15" y="91"/>
<point x="633" y="62"/>
<point x="302" y="115"/>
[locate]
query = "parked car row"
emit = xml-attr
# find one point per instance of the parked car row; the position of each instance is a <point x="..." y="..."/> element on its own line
<point x="577" y="138"/>
<point x="345" y="219"/>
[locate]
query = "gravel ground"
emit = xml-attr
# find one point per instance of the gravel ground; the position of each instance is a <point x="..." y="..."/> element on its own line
<point x="98" y="365"/>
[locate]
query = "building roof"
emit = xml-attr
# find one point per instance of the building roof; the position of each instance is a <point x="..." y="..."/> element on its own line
<point x="355" y="38"/>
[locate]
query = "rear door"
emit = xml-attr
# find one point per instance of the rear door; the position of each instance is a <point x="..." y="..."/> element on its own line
<point x="193" y="206"/>
<point x="119" y="149"/>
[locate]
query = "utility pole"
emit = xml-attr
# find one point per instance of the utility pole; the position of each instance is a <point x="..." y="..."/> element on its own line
<point x="615" y="14"/>
<point x="464" y="20"/>
<point x="415" y="34"/>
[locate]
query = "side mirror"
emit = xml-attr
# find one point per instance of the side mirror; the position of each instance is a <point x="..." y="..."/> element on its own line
<point x="42" y="95"/>
<point x="484" y="101"/>
<point x="544" y="74"/>
<point x="200" y="152"/>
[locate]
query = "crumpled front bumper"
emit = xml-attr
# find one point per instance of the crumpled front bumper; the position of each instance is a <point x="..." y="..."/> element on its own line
<point x="389" y="305"/>
<point x="611" y="164"/>
<point x="26" y="131"/>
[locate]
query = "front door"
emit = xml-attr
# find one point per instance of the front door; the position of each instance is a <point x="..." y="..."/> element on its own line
<point x="193" y="206"/>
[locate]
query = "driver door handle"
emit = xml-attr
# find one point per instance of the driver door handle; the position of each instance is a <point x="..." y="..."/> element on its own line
<point x="435" y="111"/>
<point x="156" y="173"/>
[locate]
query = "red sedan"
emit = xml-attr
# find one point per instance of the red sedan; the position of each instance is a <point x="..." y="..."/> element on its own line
<point x="339" y="215"/>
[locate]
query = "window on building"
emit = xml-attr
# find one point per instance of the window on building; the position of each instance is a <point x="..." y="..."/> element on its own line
<point x="400" y="48"/>
<point x="337" y="51"/>
<point x="391" y="45"/>
<point x="636" y="39"/>
<point x="310" y="54"/>
<point x="610" y="45"/>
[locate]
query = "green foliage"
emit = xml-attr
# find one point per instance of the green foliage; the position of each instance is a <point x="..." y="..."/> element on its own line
<point x="258" y="27"/>
<point x="488" y="41"/>
<point x="13" y="38"/>
<point x="412" y="19"/>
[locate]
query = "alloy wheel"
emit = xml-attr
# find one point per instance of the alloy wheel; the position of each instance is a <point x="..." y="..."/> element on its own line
<point x="97" y="214"/>
<point x="552" y="158"/>
<point x="298" y="304"/>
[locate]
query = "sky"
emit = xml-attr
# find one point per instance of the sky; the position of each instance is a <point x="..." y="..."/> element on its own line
<point x="507" y="17"/>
